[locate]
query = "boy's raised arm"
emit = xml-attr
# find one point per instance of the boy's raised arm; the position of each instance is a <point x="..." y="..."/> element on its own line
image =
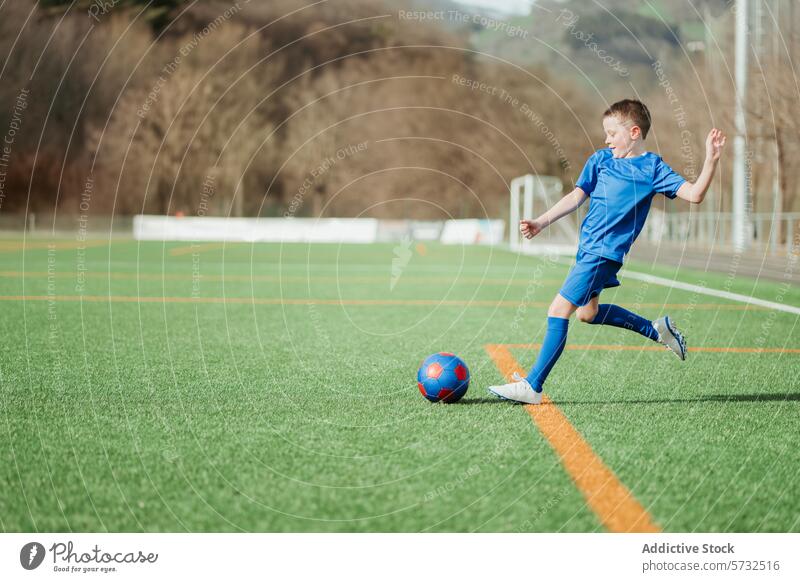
<point x="696" y="193"/>
<point x="567" y="205"/>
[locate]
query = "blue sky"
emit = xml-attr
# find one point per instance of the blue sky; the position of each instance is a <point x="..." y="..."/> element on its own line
<point x="517" y="6"/>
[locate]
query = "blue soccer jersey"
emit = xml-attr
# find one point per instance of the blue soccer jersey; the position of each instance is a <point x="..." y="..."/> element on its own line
<point x="621" y="191"/>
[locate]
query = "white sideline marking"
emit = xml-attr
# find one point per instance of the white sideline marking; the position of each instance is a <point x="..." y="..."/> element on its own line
<point x="712" y="292"/>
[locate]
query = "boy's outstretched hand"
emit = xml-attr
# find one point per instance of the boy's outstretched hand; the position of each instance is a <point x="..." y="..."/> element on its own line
<point x="529" y="228"/>
<point x="714" y="144"/>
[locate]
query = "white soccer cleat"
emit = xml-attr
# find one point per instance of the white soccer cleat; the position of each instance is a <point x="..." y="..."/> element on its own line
<point x="669" y="335"/>
<point x="517" y="391"/>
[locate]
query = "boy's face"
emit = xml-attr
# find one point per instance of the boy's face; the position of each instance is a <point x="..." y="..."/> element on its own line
<point x="621" y="135"/>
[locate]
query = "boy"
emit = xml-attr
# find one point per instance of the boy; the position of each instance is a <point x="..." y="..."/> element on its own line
<point x="621" y="181"/>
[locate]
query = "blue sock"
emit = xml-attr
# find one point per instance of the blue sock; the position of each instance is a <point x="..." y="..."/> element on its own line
<point x="553" y="345"/>
<point x="608" y="314"/>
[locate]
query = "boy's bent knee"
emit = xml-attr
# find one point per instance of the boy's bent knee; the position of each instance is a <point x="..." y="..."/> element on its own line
<point x="586" y="314"/>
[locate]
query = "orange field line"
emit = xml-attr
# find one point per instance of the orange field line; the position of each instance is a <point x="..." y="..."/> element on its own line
<point x="612" y="502"/>
<point x="10" y="246"/>
<point x="661" y="348"/>
<point x="313" y="301"/>
<point x="248" y="300"/>
<point x="256" y="300"/>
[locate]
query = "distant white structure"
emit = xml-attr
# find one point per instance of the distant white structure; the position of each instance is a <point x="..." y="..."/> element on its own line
<point x="230" y="229"/>
<point x="466" y="231"/>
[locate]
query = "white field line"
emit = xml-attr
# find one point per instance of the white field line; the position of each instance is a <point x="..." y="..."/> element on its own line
<point x="674" y="284"/>
<point x="707" y="291"/>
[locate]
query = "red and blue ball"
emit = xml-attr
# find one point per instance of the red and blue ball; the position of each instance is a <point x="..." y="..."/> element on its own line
<point x="443" y="377"/>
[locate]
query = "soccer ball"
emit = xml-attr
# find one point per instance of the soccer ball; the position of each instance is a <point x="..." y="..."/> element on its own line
<point x="443" y="377"/>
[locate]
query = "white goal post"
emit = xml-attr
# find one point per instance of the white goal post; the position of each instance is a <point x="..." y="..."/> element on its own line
<point x="531" y="195"/>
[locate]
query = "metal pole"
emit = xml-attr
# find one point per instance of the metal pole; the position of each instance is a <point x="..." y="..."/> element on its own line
<point x="741" y="195"/>
<point x="777" y="198"/>
<point x="513" y="219"/>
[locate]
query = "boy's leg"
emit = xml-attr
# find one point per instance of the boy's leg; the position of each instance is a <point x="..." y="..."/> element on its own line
<point x="609" y="314"/>
<point x="554" y="341"/>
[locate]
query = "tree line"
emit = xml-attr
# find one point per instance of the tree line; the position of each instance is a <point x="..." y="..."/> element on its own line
<point x="336" y="108"/>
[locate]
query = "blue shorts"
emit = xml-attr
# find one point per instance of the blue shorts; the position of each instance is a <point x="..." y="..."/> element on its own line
<point x="589" y="275"/>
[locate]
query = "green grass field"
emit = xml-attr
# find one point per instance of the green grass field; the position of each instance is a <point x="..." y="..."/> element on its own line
<point x="273" y="390"/>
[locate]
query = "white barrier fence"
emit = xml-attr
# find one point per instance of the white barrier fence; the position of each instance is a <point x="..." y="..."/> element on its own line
<point x="473" y="232"/>
<point x="315" y="230"/>
<point x="172" y="228"/>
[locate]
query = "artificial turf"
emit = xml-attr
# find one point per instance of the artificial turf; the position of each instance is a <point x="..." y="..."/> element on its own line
<point x="273" y="390"/>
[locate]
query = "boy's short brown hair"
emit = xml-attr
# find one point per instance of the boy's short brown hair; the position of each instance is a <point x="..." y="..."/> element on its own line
<point x="631" y="110"/>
